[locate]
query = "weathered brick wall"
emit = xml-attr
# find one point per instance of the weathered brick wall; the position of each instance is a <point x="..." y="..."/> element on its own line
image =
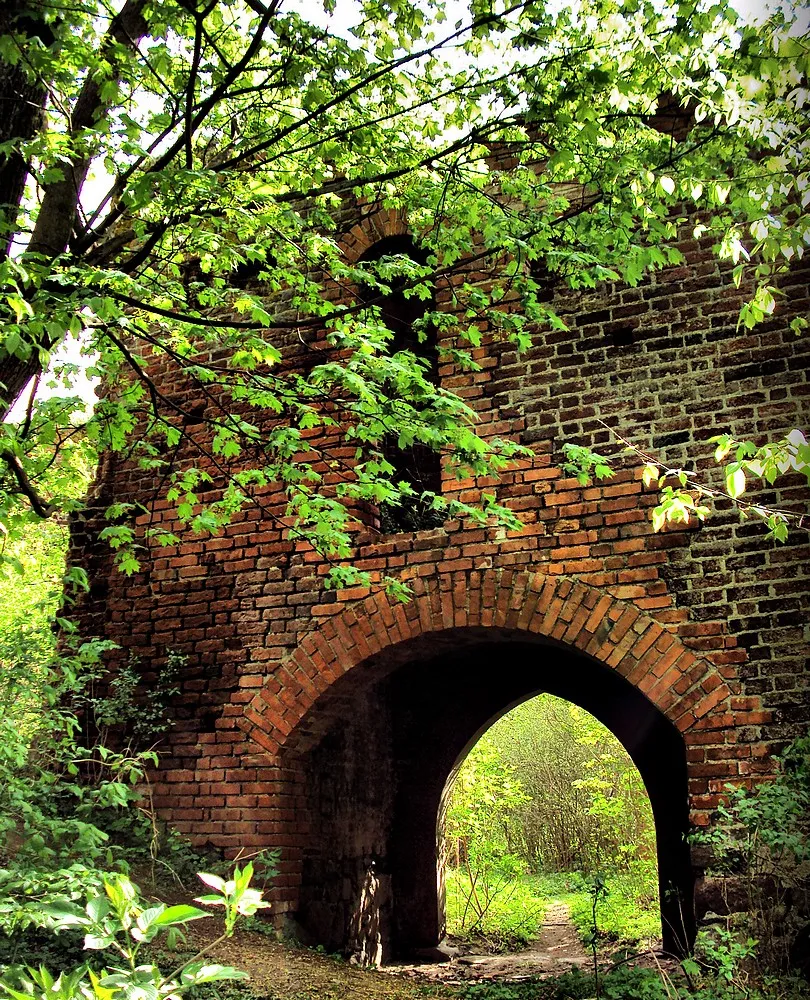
<point x="708" y="623"/>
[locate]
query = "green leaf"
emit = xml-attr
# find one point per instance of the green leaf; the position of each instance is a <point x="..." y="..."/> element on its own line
<point x="100" y="992"/>
<point x="98" y="942"/>
<point x="180" y="914"/>
<point x="64" y="913"/>
<point x="97" y="908"/>
<point x="650" y="474"/>
<point x="213" y="880"/>
<point x="149" y="916"/>
<point x="211" y="973"/>
<point x="735" y="481"/>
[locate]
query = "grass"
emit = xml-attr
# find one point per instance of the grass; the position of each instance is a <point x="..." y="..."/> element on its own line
<point x="512" y="910"/>
<point x="628" y="916"/>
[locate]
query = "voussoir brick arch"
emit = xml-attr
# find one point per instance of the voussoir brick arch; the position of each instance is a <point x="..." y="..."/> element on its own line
<point x="688" y="689"/>
<point x="377" y="224"/>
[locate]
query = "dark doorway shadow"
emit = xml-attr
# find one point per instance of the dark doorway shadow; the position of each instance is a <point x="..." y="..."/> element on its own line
<point x="394" y="730"/>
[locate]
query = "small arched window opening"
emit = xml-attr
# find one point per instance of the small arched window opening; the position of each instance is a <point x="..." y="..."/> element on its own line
<point x="246" y="275"/>
<point x="251" y="273"/>
<point x="545" y="278"/>
<point x="417" y="465"/>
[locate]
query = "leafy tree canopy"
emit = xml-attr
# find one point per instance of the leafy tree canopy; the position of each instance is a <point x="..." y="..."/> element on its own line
<point x="229" y="136"/>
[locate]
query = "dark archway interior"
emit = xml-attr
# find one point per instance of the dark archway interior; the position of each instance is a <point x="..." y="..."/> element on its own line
<point x="388" y="737"/>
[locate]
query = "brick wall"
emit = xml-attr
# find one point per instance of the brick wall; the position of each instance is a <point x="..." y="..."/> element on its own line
<point x="286" y="683"/>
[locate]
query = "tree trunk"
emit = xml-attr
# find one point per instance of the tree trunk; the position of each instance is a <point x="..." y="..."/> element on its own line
<point x="60" y="199"/>
<point x="21" y="113"/>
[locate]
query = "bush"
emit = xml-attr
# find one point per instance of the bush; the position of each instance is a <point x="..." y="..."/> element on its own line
<point x="502" y="910"/>
<point x="760" y="844"/>
<point x="118" y="924"/>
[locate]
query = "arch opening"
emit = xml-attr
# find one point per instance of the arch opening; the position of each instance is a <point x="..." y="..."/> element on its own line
<point x="376" y="754"/>
<point x="544" y="805"/>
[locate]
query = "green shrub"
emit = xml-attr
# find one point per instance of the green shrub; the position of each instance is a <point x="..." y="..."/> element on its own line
<point x="507" y="915"/>
<point x="628" y="983"/>
<point x="118" y="924"/>
<point x="760" y="840"/>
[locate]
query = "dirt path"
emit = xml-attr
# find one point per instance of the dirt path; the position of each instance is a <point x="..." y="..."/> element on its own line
<point x="556" y="950"/>
<point x="279" y="972"/>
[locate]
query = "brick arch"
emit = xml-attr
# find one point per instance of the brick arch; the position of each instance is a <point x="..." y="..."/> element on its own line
<point x="687" y="689"/>
<point x="377" y="224"/>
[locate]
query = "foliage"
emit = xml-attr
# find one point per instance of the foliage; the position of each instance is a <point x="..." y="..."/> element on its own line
<point x="482" y="797"/>
<point x="760" y="843"/>
<point x="768" y="824"/>
<point x="582" y="805"/>
<point x="173" y="859"/>
<point x="597" y="890"/>
<point x="500" y="909"/>
<point x="572" y="985"/>
<point x="51" y="839"/>
<point x="483" y="896"/>
<point x="61" y="794"/>
<point x="115" y="920"/>
<point x="142" y="714"/>
<point x="684" y="494"/>
<point x="34" y="586"/>
<point x="231" y="136"/>
<point x="628" y="913"/>
<point x="47" y="803"/>
<point x="584" y="464"/>
<point x="69" y="806"/>
<point x="62" y="789"/>
<point x="634" y="983"/>
<point x="24" y="890"/>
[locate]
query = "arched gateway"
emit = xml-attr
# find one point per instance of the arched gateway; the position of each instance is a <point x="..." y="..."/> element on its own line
<point x="326" y="724"/>
<point x="381" y="701"/>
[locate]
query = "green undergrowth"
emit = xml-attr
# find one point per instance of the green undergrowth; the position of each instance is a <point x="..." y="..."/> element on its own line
<point x="627" y="915"/>
<point x="634" y="984"/>
<point x="510" y="913"/>
<point x="514" y="908"/>
<point x="618" y="984"/>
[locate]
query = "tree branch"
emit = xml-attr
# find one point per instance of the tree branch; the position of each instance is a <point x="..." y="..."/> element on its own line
<point x="57" y="213"/>
<point x="42" y="508"/>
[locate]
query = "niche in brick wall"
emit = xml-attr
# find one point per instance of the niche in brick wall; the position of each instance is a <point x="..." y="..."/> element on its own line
<point x="416" y="465"/>
<point x="249" y="273"/>
<point x="546" y="279"/>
